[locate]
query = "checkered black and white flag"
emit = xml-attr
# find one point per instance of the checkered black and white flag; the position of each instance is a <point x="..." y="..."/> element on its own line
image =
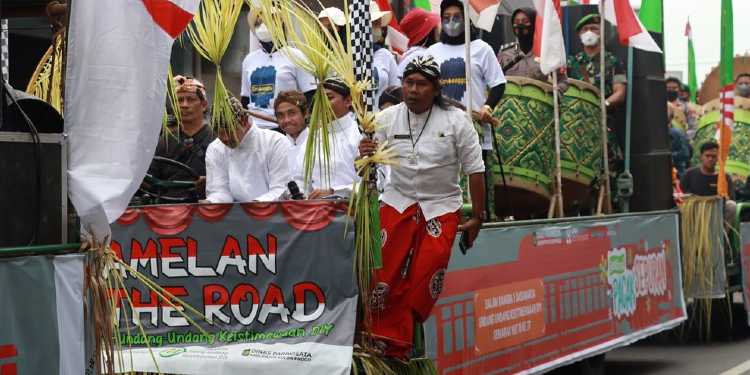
<point x="361" y="39"/>
<point x="4" y="63"/>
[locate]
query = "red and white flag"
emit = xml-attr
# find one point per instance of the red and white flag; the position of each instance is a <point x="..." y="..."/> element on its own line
<point x="483" y="13"/>
<point x="726" y="100"/>
<point x="118" y="57"/>
<point x="549" y="44"/>
<point x="629" y="27"/>
<point x="395" y="38"/>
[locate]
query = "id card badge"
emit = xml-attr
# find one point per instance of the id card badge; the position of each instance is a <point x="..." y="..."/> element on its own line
<point x="412" y="158"/>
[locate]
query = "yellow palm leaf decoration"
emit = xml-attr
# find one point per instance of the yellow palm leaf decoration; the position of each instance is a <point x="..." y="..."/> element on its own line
<point x="47" y="81"/>
<point x="211" y="31"/>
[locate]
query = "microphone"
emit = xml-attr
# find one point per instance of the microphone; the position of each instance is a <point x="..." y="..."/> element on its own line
<point x="294" y="190"/>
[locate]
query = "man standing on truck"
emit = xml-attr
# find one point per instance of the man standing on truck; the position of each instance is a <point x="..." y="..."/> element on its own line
<point x="419" y="214"/>
<point x="188" y="146"/>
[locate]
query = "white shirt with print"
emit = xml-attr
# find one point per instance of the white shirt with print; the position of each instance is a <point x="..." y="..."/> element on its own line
<point x="486" y="73"/>
<point x="265" y="75"/>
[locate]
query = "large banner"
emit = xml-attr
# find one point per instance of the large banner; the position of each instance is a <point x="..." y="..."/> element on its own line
<point x="41" y="315"/>
<point x="529" y="298"/>
<point x="745" y="269"/>
<point x="275" y="282"/>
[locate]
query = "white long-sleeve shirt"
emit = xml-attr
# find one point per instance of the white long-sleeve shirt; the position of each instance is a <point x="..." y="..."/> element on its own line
<point x="256" y="170"/>
<point x="296" y="158"/>
<point x="428" y="169"/>
<point x="385" y="72"/>
<point x="344" y="139"/>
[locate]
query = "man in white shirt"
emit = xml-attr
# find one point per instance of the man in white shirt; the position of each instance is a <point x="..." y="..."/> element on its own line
<point x="419" y="215"/>
<point x="268" y="71"/>
<point x="290" y="108"/>
<point x="384" y="67"/>
<point x="247" y="163"/>
<point x="421" y="27"/>
<point x="486" y="72"/>
<point x="340" y="175"/>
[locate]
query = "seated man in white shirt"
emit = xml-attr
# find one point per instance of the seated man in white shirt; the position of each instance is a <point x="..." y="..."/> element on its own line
<point x="340" y="175"/>
<point x="419" y="215"/>
<point x="290" y="108"/>
<point x="246" y="163"/>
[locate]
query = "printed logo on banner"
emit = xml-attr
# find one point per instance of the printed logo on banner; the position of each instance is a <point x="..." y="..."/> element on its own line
<point x="171" y="352"/>
<point x="509" y="315"/>
<point x="632" y="275"/>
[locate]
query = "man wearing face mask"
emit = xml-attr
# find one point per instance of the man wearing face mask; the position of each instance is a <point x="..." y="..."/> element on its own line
<point x="268" y="71"/>
<point x="585" y="65"/>
<point x="384" y="67"/>
<point x="485" y="69"/>
<point x="742" y="85"/>
<point x="674" y="87"/>
<point x="421" y="27"/>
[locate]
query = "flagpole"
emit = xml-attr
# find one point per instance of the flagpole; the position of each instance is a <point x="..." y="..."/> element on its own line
<point x="625" y="180"/>
<point x="604" y="197"/>
<point x="558" y="164"/>
<point x="467" y="59"/>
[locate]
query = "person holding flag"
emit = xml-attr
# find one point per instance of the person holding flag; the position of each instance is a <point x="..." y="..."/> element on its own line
<point x="486" y="71"/>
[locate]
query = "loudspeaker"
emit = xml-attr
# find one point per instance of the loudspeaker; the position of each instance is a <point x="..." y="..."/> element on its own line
<point x="18" y="204"/>
<point x="42" y="115"/>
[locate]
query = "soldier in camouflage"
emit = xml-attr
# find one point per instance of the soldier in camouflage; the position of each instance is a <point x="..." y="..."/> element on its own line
<point x="585" y="65"/>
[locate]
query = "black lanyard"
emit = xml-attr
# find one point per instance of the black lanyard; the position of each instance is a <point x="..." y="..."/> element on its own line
<point x="408" y="122"/>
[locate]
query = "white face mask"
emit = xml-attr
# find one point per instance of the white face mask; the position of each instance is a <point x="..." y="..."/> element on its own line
<point x="589" y="38"/>
<point x="262" y="33"/>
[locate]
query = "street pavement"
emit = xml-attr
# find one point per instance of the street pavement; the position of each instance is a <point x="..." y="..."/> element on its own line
<point x="681" y="352"/>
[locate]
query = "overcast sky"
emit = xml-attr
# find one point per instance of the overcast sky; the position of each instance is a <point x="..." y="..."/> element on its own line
<point x="705" y="18"/>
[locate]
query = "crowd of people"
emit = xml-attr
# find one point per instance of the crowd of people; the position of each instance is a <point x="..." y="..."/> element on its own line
<point x="418" y="93"/>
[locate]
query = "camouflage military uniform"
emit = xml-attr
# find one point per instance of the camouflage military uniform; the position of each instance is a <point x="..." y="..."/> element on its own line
<point x="517" y="63"/>
<point x="585" y="68"/>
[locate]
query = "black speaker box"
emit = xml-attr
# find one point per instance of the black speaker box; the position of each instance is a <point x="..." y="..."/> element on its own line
<point x="18" y="198"/>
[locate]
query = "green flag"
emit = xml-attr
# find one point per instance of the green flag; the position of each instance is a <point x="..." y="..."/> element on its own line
<point x="727" y="94"/>
<point x="727" y="43"/>
<point x="692" y="76"/>
<point x="424" y="4"/>
<point x="652" y="15"/>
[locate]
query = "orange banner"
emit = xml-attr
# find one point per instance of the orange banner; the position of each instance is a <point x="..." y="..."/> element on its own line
<point x="509" y="315"/>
